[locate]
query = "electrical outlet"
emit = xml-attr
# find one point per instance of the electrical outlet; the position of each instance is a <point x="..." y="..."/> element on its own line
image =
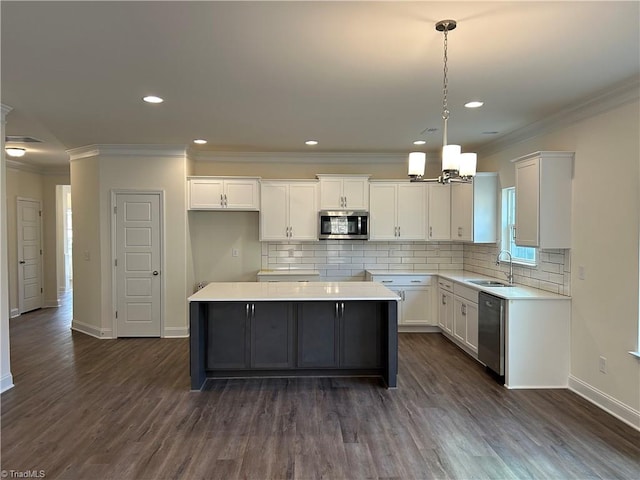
<point x="235" y="252"/>
<point x="291" y="252"/>
<point x="603" y="364"/>
<point x="581" y="274"/>
<point x="86" y="255"/>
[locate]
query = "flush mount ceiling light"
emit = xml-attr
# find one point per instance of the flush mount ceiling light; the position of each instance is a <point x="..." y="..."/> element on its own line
<point x="152" y="99"/>
<point x="419" y="142"/>
<point x="200" y="141"/>
<point x="456" y="167"/>
<point x="474" y="104"/>
<point x="311" y="142"/>
<point x="15" y="152"/>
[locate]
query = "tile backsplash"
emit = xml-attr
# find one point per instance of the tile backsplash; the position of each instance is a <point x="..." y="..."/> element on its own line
<point x="552" y="274"/>
<point x="348" y="259"/>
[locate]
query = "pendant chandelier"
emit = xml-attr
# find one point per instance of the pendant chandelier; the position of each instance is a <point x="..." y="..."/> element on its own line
<point x="456" y="166"/>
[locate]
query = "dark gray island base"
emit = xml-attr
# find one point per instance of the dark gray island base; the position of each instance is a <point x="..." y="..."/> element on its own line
<point x="290" y="338"/>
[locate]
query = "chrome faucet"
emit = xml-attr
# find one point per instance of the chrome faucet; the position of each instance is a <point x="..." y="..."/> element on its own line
<point x="510" y="274"/>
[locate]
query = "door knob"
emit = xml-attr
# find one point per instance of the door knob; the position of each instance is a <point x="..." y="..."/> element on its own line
<point x="155" y="272"/>
<point x="22" y="262"/>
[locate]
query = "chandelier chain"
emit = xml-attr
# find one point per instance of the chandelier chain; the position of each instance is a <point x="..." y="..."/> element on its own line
<point x="445" y="79"/>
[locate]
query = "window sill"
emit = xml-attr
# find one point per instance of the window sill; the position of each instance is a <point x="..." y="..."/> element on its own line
<point x="524" y="264"/>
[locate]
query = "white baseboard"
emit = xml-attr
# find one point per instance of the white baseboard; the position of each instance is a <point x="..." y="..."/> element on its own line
<point x="176" y="332"/>
<point x="606" y="402"/>
<point x="6" y="382"/>
<point x="15" y="313"/>
<point x="418" y="329"/>
<point x="91" y="330"/>
<point x="51" y="303"/>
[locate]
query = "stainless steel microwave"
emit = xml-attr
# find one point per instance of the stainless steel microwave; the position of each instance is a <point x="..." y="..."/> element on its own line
<point x="343" y="225"/>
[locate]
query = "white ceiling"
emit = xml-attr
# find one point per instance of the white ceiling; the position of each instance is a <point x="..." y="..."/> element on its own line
<point x="266" y="76"/>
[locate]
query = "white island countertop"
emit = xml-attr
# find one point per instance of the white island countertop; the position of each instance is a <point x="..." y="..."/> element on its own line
<point x="292" y="291"/>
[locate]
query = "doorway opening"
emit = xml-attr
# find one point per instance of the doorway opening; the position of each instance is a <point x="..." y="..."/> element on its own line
<point x="64" y="243"/>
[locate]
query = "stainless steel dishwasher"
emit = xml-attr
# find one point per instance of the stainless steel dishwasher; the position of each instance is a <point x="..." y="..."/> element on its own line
<point x="491" y="333"/>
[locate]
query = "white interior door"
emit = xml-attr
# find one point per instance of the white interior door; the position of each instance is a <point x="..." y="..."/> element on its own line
<point x="138" y="265"/>
<point x="29" y="255"/>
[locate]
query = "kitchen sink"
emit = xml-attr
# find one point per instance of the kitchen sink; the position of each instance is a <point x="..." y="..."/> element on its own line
<point x="489" y="283"/>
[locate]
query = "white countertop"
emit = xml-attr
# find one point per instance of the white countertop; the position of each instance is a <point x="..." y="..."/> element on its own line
<point x="516" y="292"/>
<point x="292" y="291"/>
<point x="287" y="272"/>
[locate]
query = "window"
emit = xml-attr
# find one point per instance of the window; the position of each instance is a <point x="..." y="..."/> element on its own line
<point x="524" y="255"/>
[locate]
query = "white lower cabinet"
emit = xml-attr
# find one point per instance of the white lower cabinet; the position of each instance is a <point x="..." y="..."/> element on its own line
<point x="458" y="314"/>
<point x="445" y="306"/>
<point x="415" y="292"/>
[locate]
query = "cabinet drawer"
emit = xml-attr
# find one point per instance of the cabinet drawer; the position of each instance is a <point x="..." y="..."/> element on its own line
<point x="445" y="284"/>
<point x="402" y="280"/>
<point x="466" y="292"/>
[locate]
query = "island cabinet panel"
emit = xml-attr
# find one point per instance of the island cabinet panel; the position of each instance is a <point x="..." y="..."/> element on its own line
<point x="272" y="335"/>
<point x="318" y="334"/>
<point x="227" y="339"/>
<point x="262" y="338"/>
<point x="360" y="334"/>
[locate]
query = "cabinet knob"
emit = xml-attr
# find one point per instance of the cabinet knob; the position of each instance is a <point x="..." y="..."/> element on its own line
<point x="155" y="273"/>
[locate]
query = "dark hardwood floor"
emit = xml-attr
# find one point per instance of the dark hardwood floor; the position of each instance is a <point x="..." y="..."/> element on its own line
<point x="84" y="408"/>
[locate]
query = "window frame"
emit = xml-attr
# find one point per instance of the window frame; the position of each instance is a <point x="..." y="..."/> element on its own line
<point x="507" y="232"/>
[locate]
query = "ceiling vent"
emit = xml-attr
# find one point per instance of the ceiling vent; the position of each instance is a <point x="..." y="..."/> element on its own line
<point x="21" y="139"/>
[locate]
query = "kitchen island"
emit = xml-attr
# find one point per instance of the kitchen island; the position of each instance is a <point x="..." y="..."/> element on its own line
<point x="290" y="329"/>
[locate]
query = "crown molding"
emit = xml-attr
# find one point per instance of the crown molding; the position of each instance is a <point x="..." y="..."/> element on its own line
<point x="4" y="110"/>
<point x="297" y="157"/>
<point x="39" y="170"/>
<point x="127" y="151"/>
<point x="607" y="99"/>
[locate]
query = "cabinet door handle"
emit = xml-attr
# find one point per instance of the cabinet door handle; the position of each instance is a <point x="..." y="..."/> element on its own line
<point x="387" y="281"/>
<point x="444" y="299"/>
<point x="342" y="309"/>
<point x="221" y="200"/>
<point x="345" y="201"/>
<point x="398" y="231"/>
<point x="416" y="281"/>
<point x="247" y="310"/>
<point x="226" y="204"/>
<point x="253" y="310"/>
<point x="337" y="315"/>
<point x="463" y="309"/>
<point x="459" y="231"/>
<point x="430" y="232"/>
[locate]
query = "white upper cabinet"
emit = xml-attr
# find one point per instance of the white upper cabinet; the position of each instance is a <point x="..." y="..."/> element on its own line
<point x="289" y="210"/>
<point x="344" y="191"/>
<point x="223" y="193"/>
<point x="474" y="208"/>
<point x="543" y="199"/>
<point x="439" y="204"/>
<point x="397" y="211"/>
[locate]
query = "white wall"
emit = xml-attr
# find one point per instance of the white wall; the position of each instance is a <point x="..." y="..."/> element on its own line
<point x="606" y="239"/>
<point x="95" y="173"/>
<point x="87" y="269"/>
<point x="6" y="379"/>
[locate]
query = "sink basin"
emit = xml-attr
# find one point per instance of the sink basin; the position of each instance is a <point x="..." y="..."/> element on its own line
<point x="489" y="283"/>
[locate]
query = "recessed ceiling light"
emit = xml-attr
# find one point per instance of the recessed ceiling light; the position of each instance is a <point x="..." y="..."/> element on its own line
<point x="199" y="141"/>
<point x="15" y="152"/>
<point x="311" y="142"/>
<point x="474" y="104"/>
<point x="419" y="142"/>
<point x="152" y="99"/>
